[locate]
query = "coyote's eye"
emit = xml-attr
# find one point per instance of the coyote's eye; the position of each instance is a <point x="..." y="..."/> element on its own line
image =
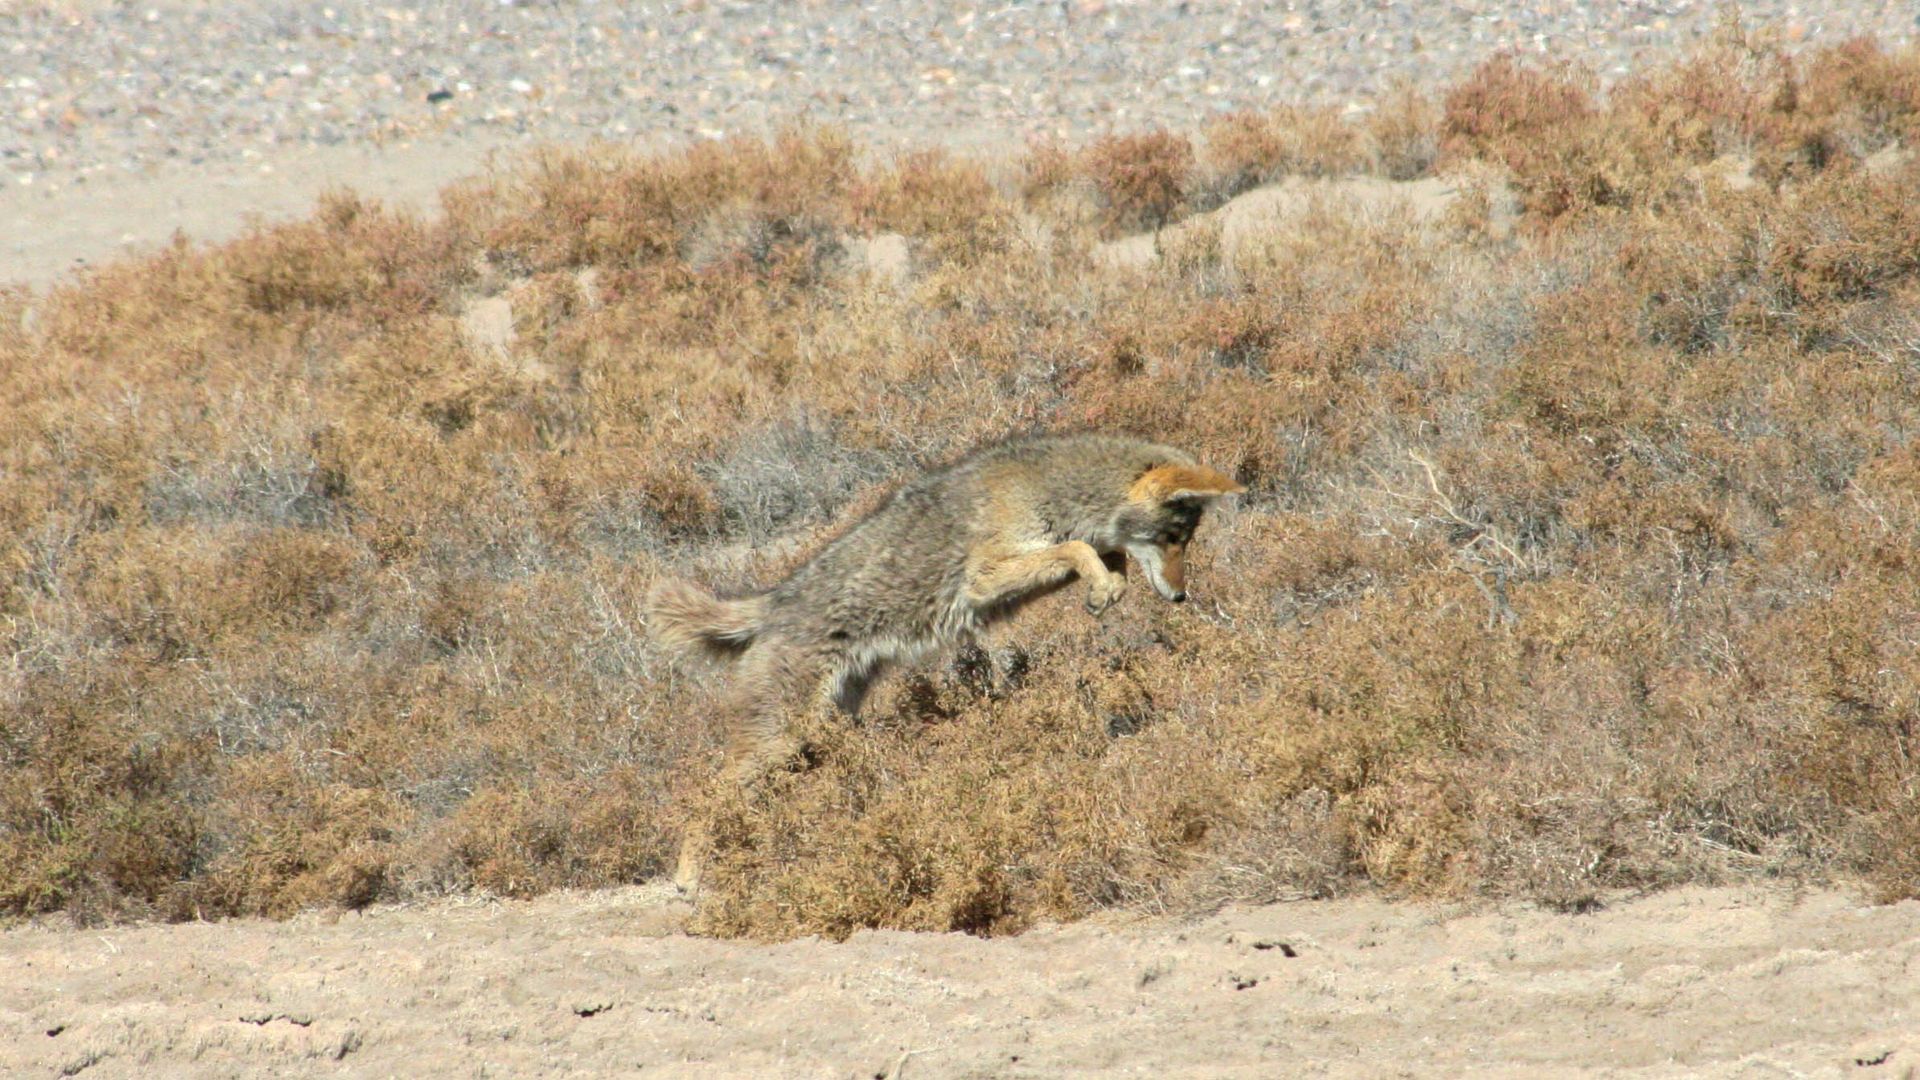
<point x="1178" y="520"/>
<point x="1178" y="532"/>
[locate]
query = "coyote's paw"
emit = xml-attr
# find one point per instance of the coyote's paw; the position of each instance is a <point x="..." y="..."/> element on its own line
<point x="1104" y="593"/>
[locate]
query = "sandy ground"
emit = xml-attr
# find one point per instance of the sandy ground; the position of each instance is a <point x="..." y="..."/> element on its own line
<point x="1694" y="982"/>
<point x="44" y="233"/>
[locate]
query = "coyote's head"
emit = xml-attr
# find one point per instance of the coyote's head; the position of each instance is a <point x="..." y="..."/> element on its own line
<point x="1163" y="508"/>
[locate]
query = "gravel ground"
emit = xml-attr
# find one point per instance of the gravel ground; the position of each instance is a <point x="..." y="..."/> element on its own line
<point x="88" y="86"/>
<point x="124" y="122"/>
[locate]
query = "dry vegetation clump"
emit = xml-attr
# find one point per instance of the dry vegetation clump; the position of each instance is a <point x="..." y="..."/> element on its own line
<point x="1247" y="149"/>
<point x="1129" y="183"/>
<point x="1140" y="179"/>
<point x="949" y="207"/>
<point x="1774" y="118"/>
<point x="1578" y="558"/>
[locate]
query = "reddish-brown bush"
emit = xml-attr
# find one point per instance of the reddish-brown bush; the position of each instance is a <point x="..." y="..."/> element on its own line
<point x="1141" y="179"/>
<point x="1575" y="559"/>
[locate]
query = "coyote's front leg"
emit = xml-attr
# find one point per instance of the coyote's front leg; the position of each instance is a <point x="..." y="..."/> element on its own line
<point x="1003" y="579"/>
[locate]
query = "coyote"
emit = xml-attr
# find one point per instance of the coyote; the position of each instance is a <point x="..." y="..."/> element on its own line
<point x="943" y="557"/>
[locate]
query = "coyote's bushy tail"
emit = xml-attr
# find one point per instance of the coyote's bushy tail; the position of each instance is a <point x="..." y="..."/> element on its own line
<point x="686" y="616"/>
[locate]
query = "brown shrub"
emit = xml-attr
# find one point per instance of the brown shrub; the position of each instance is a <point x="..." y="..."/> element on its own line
<point x="1870" y="98"/>
<point x="1246" y="149"/>
<point x="1575" y="560"/>
<point x="1741" y="101"/>
<point x="949" y="207"/>
<point x="1854" y="247"/>
<point x="739" y="199"/>
<point x="1047" y="168"/>
<point x="90" y="826"/>
<point x="1404" y="130"/>
<point x="1519" y="116"/>
<point x="351" y="253"/>
<point x="1242" y="150"/>
<point x="1141" y="179"/>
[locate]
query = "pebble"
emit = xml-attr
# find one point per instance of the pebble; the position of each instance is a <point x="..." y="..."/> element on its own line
<point x="92" y="85"/>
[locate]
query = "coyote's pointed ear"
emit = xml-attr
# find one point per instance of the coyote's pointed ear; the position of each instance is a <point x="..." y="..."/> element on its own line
<point x="1182" y="483"/>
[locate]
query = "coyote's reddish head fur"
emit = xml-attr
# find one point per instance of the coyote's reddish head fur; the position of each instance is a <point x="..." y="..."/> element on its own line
<point x="1174" y="483"/>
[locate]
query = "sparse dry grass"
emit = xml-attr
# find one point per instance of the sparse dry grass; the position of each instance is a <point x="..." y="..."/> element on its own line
<point x="1577" y="559"/>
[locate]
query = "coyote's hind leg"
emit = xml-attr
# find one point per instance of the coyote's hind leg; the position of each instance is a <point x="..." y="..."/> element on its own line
<point x="773" y="687"/>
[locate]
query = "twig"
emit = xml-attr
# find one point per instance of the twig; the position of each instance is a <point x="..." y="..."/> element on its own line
<point x="900" y="1065"/>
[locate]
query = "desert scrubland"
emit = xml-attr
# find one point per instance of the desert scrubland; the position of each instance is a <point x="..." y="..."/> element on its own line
<point x="1579" y="561"/>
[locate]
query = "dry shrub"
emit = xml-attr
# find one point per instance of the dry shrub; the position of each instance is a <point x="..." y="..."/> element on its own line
<point x="1141" y="179"/>
<point x="296" y="844"/>
<point x="1535" y="123"/>
<point x="523" y="842"/>
<point x="352" y="253"/>
<point x="1870" y="98"/>
<point x="1856" y="247"/>
<point x="1242" y="151"/>
<point x="1404" y="130"/>
<point x="1247" y="149"/>
<point x="1573" y="560"/>
<point x="1063" y="798"/>
<point x="1047" y="168"/>
<point x="1742" y="99"/>
<point x="737" y="200"/>
<point x="948" y="206"/>
<point x="1297" y="850"/>
<point x="1130" y="183"/>
<point x="92" y="824"/>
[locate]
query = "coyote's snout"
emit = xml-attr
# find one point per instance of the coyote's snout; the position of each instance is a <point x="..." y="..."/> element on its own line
<point x="945" y="555"/>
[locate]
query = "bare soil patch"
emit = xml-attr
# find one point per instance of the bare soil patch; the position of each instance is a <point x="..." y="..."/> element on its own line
<point x="1693" y="982"/>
